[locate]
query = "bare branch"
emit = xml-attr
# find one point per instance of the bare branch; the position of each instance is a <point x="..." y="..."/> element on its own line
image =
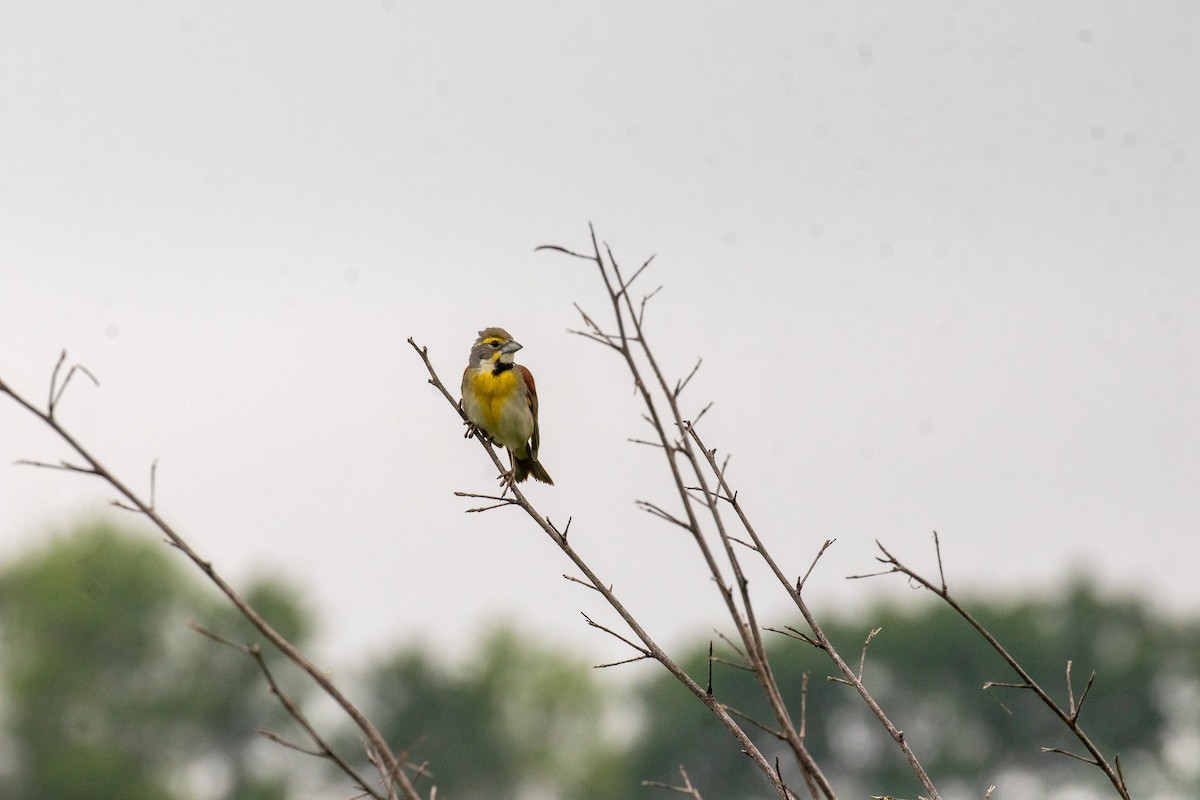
<point x="500" y="502"/>
<point x="626" y="284"/>
<point x="394" y="779"/>
<point x="804" y="578"/>
<point x="1069" y="717"/>
<point x="792" y="633"/>
<point x="729" y="642"/>
<point x="709" y="690"/>
<point x="1069" y="754"/>
<point x="322" y="748"/>
<point x="652" y="509"/>
<point x="733" y="664"/>
<point x="803" y="702"/>
<point x="646" y="299"/>
<point x="278" y="739"/>
<point x="862" y="660"/>
<point x="681" y="385"/>
<point x="481" y="509"/>
<point x="1082" y="697"/>
<point x="594" y="337"/>
<point x="641" y="657"/>
<point x="742" y="542"/>
<point x="154" y="483"/>
<point x="1002" y="685"/>
<point x="581" y="582"/>
<point x="764" y="728"/>
<point x="51" y="399"/>
<point x="687" y="787"/>
<point x="560" y="249"/>
<point x="563" y="533"/>
<point x="937" y="546"/>
<point x="999" y="702"/>
<point x="64" y="466"/>
<point x="56" y="390"/>
<point x="592" y="623"/>
<point x="872" y="574"/>
<point x="628" y="334"/>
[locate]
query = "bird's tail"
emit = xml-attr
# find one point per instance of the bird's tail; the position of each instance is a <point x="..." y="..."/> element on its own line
<point x="524" y="467"/>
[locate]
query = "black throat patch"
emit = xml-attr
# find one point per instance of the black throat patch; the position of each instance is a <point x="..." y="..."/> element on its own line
<point x="501" y="367"/>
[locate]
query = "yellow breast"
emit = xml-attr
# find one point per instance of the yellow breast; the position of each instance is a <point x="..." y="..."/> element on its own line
<point x="492" y="393"/>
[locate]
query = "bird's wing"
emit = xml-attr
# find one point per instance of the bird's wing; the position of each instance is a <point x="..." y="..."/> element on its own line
<point x="531" y="396"/>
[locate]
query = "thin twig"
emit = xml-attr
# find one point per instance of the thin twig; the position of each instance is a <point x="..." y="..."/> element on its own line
<point x="687" y="787"/>
<point x="394" y="779"/>
<point x="764" y="728"/>
<point x="592" y="623"/>
<point x="651" y="508"/>
<point x="64" y="466"/>
<point x="1069" y="754"/>
<point x="641" y="657"/>
<point x="681" y="385"/>
<point x="847" y="672"/>
<point x="581" y="582"/>
<point x="322" y="748"/>
<point x="792" y="633"/>
<point x="804" y="578"/>
<point x="1069" y="717"/>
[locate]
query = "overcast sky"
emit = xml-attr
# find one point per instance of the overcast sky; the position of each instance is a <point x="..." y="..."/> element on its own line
<point x="941" y="261"/>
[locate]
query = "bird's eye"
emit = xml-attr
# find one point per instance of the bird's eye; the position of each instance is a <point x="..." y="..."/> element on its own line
<point x="494" y="343"/>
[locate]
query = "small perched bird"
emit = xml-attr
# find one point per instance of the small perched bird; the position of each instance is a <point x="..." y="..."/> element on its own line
<point x="499" y="398"/>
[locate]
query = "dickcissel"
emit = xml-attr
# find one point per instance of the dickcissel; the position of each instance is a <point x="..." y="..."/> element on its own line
<point x="499" y="398"/>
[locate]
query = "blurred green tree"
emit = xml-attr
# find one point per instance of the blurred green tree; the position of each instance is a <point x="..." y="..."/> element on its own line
<point x="108" y="694"/>
<point x="521" y="719"/>
<point x="927" y="668"/>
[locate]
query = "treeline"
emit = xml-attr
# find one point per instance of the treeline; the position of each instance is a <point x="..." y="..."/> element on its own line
<point x="106" y="693"/>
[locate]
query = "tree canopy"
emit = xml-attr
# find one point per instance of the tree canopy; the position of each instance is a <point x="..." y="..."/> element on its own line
<point x="106" y="693"/>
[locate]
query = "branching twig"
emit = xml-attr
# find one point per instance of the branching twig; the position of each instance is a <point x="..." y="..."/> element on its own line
<point x="761" y="726"/>
<point x="394" y="779"/>
<point x="647" y="646"/>
<point x="792" y="633"/>
<point x="687" y="787"/>
<point x="804" y="578"/>
<point x="57" y="389"/>
<point x="1069" y="716"/>
<point x="322" y="748"/>
<point x="651" y="508"/>
<point x="645" y="653"/>
<point x="681" y="385"/>
<point x="629" y="325"/>
<point x="818" y="639"/>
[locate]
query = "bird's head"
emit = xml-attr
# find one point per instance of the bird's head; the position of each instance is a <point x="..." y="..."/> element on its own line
<point x="495" y="346"/>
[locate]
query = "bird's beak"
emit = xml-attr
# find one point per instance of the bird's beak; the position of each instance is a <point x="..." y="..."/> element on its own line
<point x="511" y="347"/>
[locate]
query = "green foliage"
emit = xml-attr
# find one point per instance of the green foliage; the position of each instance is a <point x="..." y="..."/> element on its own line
<point x="521" y="716"/>
<point x="927" y="668"/>
<point x="519" y="720"/>
<point x="107" y="694"/>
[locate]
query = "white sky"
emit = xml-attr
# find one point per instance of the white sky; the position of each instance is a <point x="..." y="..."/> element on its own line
<point x="941" y="261"/>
